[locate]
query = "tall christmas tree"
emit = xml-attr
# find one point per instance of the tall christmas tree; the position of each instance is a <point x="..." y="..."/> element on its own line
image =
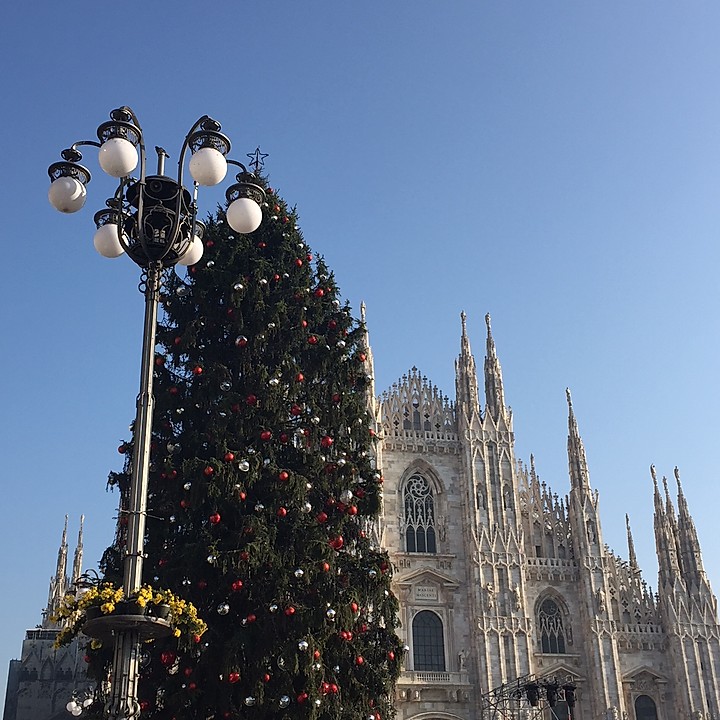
<point x="264" y="492"/>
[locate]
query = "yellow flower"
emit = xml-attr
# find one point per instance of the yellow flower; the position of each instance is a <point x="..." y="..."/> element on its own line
<point x="176" y="632"/>
<point x="107" y="607"/>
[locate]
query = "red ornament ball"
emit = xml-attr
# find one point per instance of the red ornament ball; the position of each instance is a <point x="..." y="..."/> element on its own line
<point x="319" y="292"/>
<point x="336" y="398"/>
<point x="237" y="585"/>
<point x="298" y="262"/>
<point x="266" y="677"/>
<point x="290" y="610"/>
<point x="233" y="677"/>
<point x="326" y="441"/>
<point x="325" y="567"/>
<point x="159" y="360"/>
<point x="337" y="542"/>
<point x="321" y="517"/>
<point x="215" y="518"/>
<point x="251" y="399"/>
<point x="265" y="435"/>
<point x="313" y="340"/>
<point x="359" y="660"/>
<point x="299" y="377"/>
<point x="295" y="410"/>
<point x="208" y="471"/>
<point x="284" y="437"/>
<point x="167" y="657"/>
<point x="283" y="475"/>
<point x="282" y="512"/>
<point x="352" y="510"/>
<point x="187" y="672"/>
<point x="173" y="390"/>
<point x="391" y="655"/>
<point x="197" y="370"/>
<point x="302" y="697"/>
<point x="177" y="340"/>
<point x="251" y="618"/>
<point x="229" y="457"/>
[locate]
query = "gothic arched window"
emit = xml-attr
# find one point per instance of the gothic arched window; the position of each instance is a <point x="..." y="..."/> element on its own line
<point x="419" y="517"/>
<point x="428" y="643"/>
<point x="551" y="627"/>
<point x="645" y="708"/>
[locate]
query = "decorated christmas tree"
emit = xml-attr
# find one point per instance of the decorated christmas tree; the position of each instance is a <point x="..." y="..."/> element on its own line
<point x="264" y="493"/>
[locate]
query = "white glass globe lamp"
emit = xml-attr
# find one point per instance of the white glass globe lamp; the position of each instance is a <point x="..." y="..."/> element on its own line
<point x="67" y="194"/>
<point x="193" y="254"/>
<point x="118" y="157"/>
<point x="244" y="215"/>
<point x="107" y="242"/>
<point x="208" y="166"/>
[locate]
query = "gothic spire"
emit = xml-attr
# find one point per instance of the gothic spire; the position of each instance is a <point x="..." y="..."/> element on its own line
<point x="632" y="557"/>
<point x="665" y="543"/>
<point x="577" y="461"/>
<point x="494" y="392"/>
<point x="78" y="557"/>
<point x="61" y="569"/>
<point x="688" y="542"/>
<point x="58" y="583"/>
<point x="466" y="385"/>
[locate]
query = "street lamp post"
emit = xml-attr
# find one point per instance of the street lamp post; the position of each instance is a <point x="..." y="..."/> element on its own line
<point x="153" y="220"/>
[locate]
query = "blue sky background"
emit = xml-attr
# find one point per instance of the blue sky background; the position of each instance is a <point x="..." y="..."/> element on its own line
<point x="554" y="163"/>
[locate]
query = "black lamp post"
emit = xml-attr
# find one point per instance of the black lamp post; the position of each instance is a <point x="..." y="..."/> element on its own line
<point x="153" y="220"/>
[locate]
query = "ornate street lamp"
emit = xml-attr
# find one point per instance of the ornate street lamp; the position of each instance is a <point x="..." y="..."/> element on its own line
<point x="153" y="219"/>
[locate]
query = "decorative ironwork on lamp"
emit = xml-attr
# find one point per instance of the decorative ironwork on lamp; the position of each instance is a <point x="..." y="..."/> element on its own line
<point x="152" y="219"/>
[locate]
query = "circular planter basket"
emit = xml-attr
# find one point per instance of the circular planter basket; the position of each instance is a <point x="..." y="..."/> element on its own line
<point x="161" y="611"/>
<point x="147" y="627"/>
<point x="130" y="607"/>
<point x="93" y="612"/>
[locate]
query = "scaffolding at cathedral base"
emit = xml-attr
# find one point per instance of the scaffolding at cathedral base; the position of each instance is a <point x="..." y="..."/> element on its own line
<point x="530" y="698"/>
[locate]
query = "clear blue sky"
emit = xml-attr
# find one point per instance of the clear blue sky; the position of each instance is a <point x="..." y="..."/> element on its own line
<point x="554" y="163"/>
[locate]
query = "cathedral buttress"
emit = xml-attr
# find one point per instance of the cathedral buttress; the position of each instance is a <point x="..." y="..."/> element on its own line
<point x="601" y="648"/>
<point x="488" y="456"/>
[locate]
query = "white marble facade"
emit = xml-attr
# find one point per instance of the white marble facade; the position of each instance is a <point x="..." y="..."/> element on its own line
<point x="499" y="577"/>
